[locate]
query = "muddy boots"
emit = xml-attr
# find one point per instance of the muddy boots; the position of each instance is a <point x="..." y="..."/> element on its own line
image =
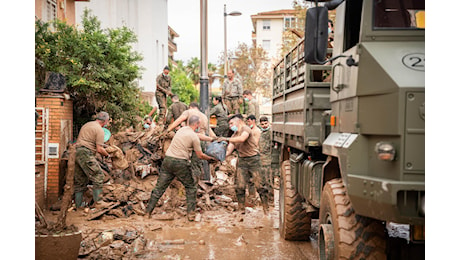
<point x="150" y="206"/>
<point x="265" y="207"/>
<point x="97" y="197"/>
<point x="264" y="199"/>
<point x="241" y="206"/>
<point x="252" y="198"/>
<point x="78" y="199"/>
<point x="191" y="216"/>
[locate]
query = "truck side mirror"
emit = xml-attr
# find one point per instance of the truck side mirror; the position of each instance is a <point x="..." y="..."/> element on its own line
<point x="316" y="35"/>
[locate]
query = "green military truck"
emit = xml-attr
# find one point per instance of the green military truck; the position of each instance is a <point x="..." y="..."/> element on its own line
<point x="349" y="128"/>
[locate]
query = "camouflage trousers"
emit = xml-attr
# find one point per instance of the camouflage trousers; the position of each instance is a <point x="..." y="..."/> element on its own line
<point x="161" y="100"/>
<point x="266" y="175"/>
<point x="232" y="105"/>
<point x="222" y="128"/>
<point x="197" y="163"/>
<point x="249" y="168"/>
<point x="170" y="169"/>
<point x="87" y="169"/>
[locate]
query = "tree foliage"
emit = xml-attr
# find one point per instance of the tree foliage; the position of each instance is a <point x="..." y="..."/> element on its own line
<point x="252" y="65"/>
<point x="193" y="70"/>
<point x="100" y="67"/>
<point x="182" y="85"/>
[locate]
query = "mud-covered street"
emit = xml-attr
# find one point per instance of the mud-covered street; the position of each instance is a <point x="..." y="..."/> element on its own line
<point x="219" y="234"/>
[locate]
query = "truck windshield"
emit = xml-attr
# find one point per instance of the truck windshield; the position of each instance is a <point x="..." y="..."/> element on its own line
<point x="399" y="14"/>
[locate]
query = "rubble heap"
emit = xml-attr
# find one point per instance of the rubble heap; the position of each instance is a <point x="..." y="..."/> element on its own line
<point x="132" y="171"/>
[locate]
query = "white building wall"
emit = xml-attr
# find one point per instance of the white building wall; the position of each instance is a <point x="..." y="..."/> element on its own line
<point x="274" y="35"/>
<point x="148" y="19"/>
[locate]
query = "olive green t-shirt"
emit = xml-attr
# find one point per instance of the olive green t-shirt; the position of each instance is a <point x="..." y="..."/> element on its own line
<point x="203" y="119"/>
<point x="183" y="143"/>
<point x="90" y="134"/>
<point x="250" y="146"/>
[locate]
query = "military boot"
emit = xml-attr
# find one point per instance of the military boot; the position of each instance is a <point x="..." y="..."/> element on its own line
<point x="191" y="216"/>
<point x="98" y="202"/>
<point x="78" y="199"/>
<point x="265" y="207"/>
<point x="150" y="207"/>
<point x="264" y="199"/>
<point x="97" y="194"/>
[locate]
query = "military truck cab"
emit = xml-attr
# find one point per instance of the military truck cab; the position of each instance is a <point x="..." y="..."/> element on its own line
<point x="357" y="160"/>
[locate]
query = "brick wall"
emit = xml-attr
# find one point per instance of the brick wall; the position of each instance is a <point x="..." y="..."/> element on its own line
<point x="60" y="132"/>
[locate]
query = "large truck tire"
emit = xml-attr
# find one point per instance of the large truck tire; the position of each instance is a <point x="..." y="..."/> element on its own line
<point x="344" y="234"/>
<point x="295" y="223"/>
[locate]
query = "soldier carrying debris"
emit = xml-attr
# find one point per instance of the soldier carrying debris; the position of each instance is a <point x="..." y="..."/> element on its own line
<point x="177" y="164"/>
<point x="220" y="110"/>
<point x="90" y="140"/>
<point x="175" y="109"/>
<point x="248" y="161"/>
<point x="251" y="122"/>
<point x="197" y="166"/>
<point x="163" y="90"/>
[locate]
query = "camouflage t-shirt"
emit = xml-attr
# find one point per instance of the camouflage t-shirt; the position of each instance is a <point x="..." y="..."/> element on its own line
<point x="265" y="147"/>
<point x="232" y="88"/>
<point x="164" y="82"/>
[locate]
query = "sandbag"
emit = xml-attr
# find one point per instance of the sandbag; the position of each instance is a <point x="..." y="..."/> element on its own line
<point x="118" y="159"/>
<point x="217" y="150"/>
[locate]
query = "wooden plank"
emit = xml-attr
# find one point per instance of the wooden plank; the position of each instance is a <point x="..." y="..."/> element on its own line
<point x="102" y="212"/>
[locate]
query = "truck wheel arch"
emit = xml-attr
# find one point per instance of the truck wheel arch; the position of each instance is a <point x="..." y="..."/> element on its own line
<point x="331" y="169"/>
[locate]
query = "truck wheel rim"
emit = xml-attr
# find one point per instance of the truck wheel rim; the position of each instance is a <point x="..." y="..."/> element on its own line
<point x="326" y="242"/>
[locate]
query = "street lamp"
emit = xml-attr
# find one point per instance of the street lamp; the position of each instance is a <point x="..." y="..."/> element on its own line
<point x="233" y="13"/>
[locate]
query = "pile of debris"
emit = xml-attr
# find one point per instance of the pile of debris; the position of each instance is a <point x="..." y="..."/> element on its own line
<point x="114" y="244"/>
<point x="132" y="171"/>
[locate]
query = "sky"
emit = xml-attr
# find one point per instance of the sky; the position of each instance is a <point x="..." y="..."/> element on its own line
<point x="184" y="18"/>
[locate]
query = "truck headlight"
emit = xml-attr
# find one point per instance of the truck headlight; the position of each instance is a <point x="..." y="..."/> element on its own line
<point x="385" y="151"/>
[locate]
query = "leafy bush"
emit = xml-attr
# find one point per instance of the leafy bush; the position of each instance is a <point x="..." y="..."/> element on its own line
<point x="100" y="67"/>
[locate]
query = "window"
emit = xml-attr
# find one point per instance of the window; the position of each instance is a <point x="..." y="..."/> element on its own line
<point x="266" y="24"/>
<point x="50" y="12"/>
<point x="266" y="44"/>
<point x="290" y="22"/>
<point x="403" y="14"/>
<point x="352" y="23"/>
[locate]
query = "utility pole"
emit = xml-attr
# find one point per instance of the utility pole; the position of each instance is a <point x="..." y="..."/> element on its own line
<point x="204" y="79"/>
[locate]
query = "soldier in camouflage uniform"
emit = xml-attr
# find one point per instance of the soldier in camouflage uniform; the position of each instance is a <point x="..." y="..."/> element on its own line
<point x="248" y="161"/>
<point x="220" y="111"/>
<point x="232" y="92"/>
<point x="89" y="142"/>
<point x="253" y="106"/>
<point x="163" y="90"/>
<point x="197" y="164"/>
<point x="175" y="109"/>
<point x="265" y="142"/>
<point x="177" y="164"/>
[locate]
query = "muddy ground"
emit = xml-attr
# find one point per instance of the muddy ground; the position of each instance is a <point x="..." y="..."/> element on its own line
<point x="119" y="229"/>
<point x="215" y="234"/>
